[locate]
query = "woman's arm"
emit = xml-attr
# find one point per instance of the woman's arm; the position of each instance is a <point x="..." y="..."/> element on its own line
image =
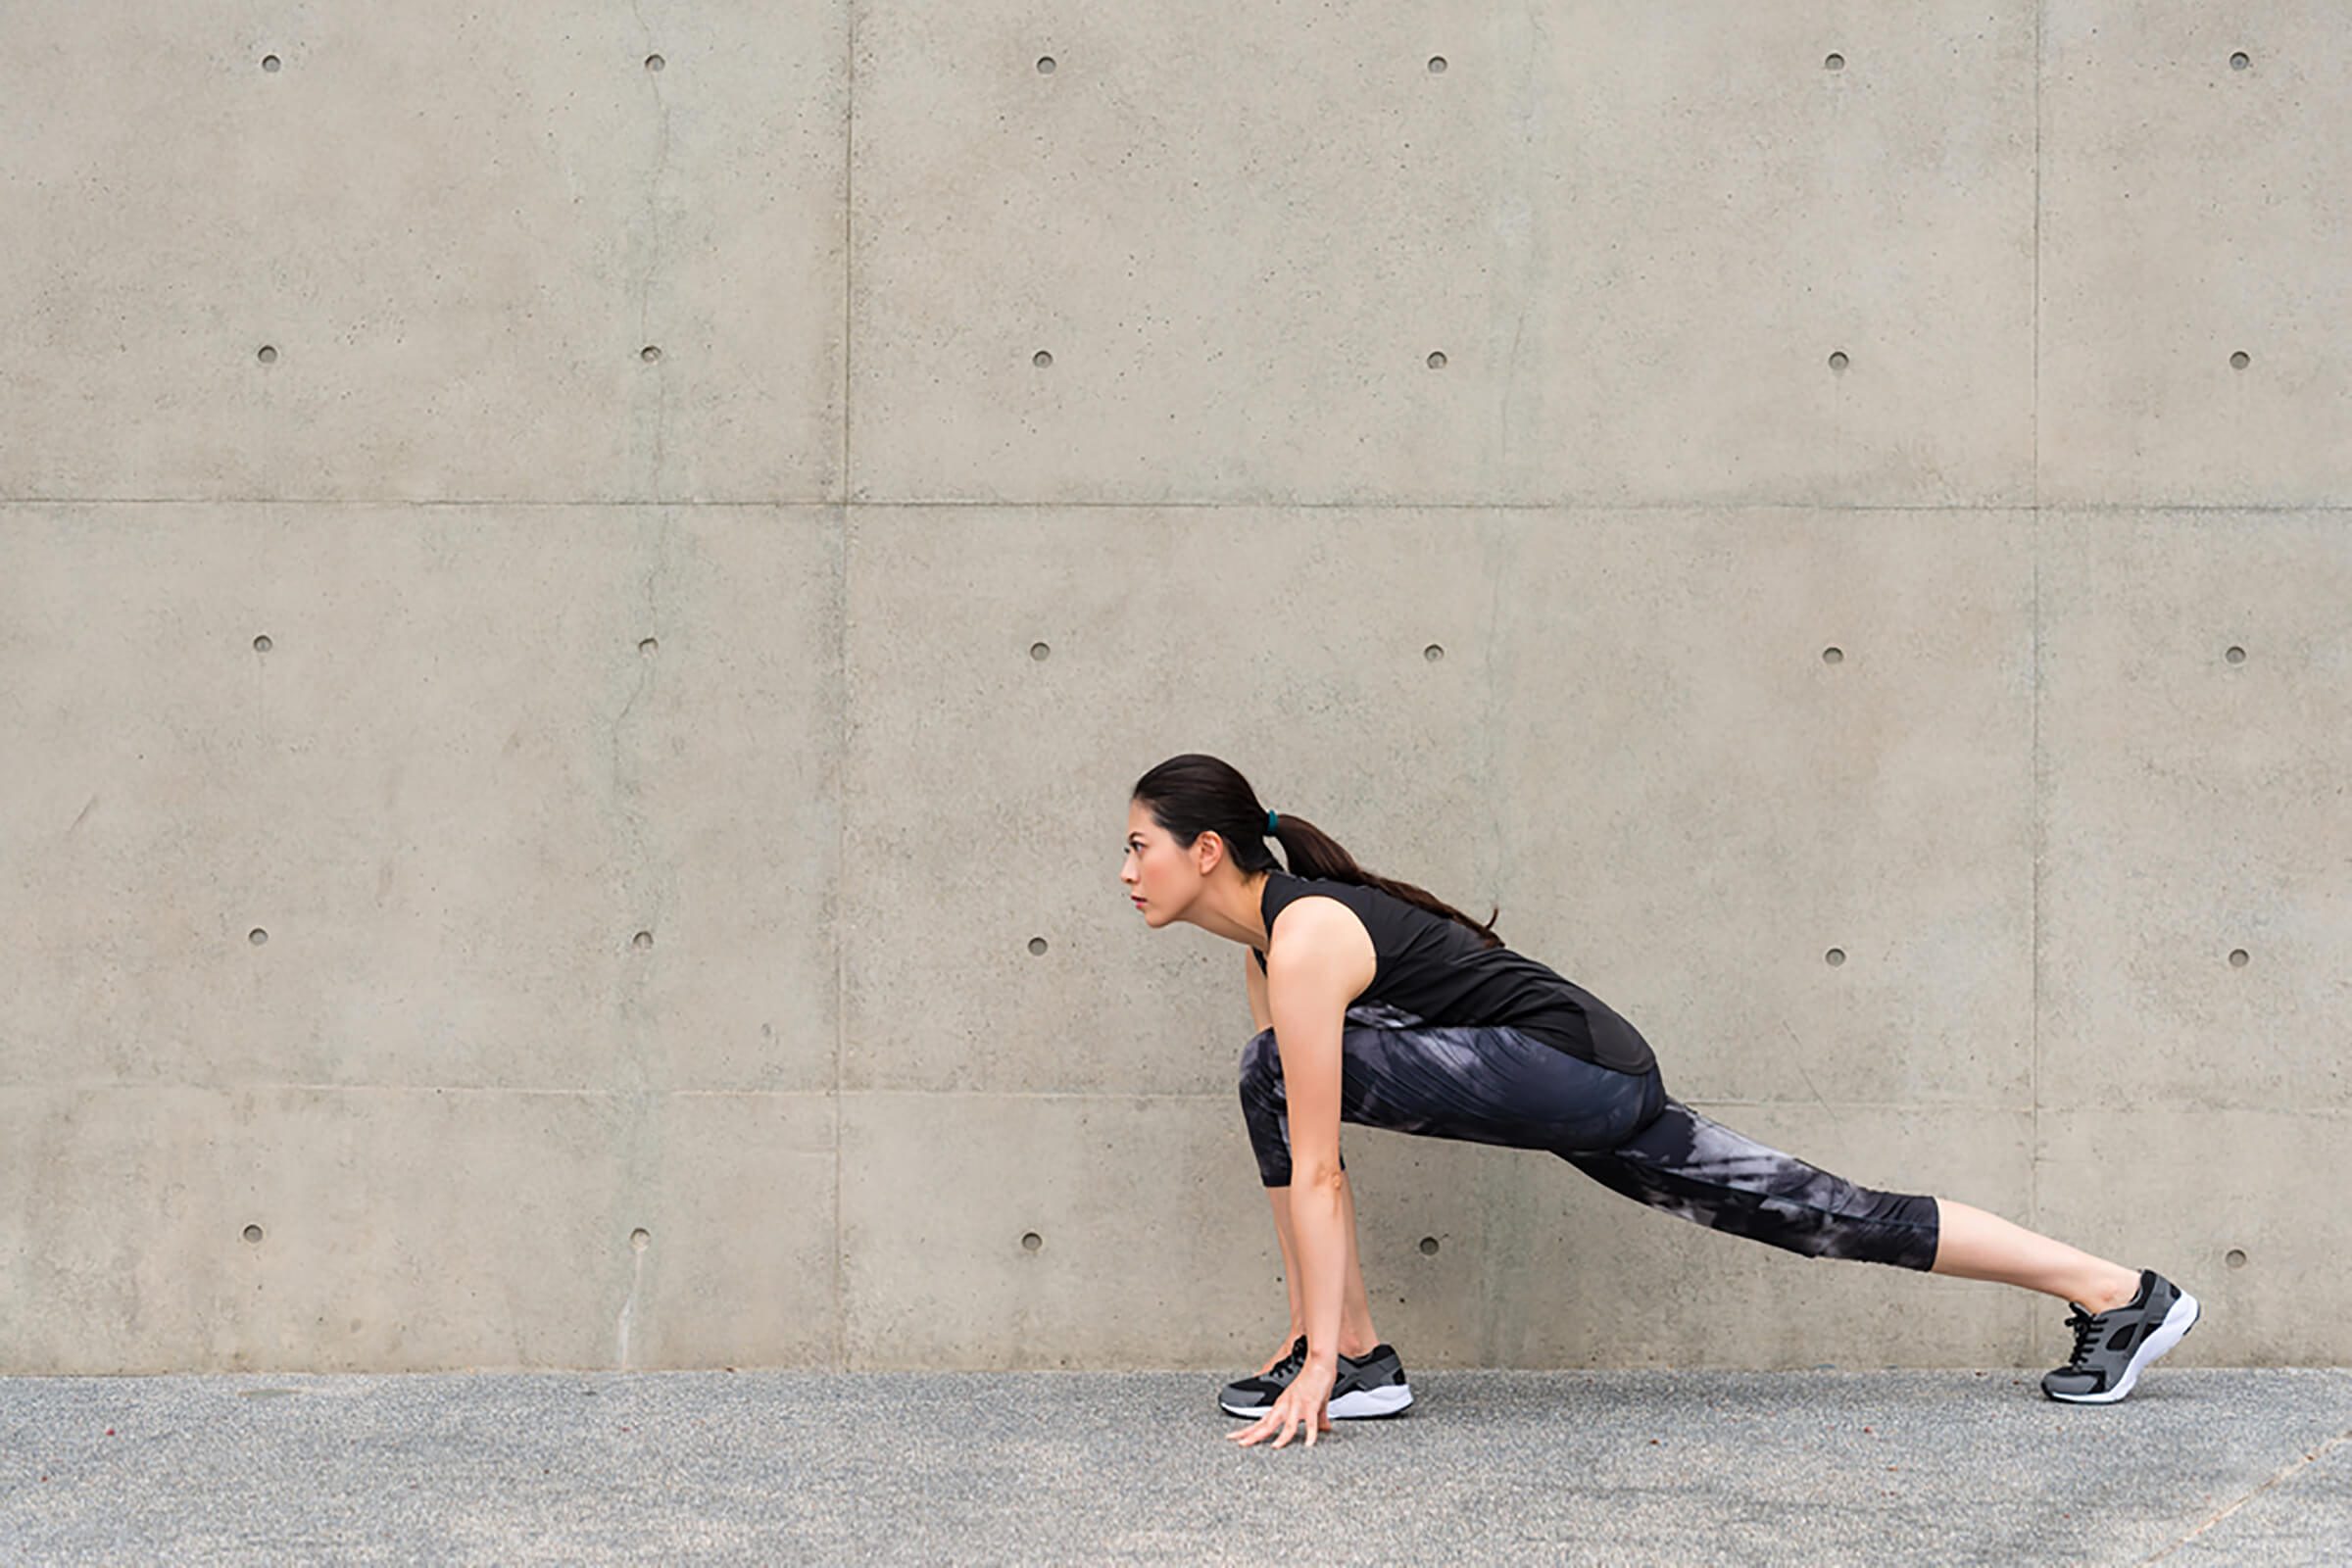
<point x="1261" y="1018"/>
<point x="1310" y="978"/>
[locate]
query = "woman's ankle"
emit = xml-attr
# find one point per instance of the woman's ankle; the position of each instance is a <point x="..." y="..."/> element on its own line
<point x="1351" y="1342"/>
<point x="2112" y="1292"/>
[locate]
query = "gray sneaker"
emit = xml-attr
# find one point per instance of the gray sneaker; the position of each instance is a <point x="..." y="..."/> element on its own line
<point x="2112" y="1347"/>
<point x="1368" y="1386"/>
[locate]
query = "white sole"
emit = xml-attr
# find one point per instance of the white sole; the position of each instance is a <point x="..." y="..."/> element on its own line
<point x="2177" y="1322"/>
<point x="1354" y="1405"/>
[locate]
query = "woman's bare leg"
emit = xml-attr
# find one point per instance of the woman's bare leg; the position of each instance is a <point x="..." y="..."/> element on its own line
<point x="1355" y="1308"/>
<point x="1978" y="1245"/>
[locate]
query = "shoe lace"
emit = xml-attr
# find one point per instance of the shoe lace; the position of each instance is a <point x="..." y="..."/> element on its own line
<point x="2086" y="1328"/>
<point x="1289" y="1365"/>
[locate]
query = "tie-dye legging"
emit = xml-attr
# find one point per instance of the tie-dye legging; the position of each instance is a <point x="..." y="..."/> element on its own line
<point x="1492" y="1085"/>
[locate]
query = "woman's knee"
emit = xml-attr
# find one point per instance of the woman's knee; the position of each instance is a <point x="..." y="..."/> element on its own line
<point x="1263" y="1111"/>
<point x="1262" y="1064"/>
<point x="1692" y="1166"/>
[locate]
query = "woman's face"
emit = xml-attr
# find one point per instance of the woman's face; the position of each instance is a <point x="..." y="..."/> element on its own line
<point x="1156" y="870"/>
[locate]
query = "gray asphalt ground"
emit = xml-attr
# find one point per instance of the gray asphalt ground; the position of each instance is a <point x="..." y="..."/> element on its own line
<point x="2199" y="1466"/>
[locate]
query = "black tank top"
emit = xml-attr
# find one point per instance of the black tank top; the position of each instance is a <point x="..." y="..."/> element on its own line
<point x="1440" y="971"/>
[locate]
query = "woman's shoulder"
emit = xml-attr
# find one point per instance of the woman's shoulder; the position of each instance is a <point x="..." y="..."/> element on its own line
<point x="1354" y="932"/>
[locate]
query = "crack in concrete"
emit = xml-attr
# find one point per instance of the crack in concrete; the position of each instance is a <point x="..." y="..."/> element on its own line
<point x="2288" y="1469"/>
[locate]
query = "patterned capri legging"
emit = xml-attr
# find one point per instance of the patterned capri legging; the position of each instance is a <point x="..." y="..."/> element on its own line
<point x="1495" y="1085"/>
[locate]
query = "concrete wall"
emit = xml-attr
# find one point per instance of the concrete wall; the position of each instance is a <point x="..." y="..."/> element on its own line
<point x="571" y="669"/>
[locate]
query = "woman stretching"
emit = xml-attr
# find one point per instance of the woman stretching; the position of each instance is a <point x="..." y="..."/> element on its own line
<point x="1377" y="1004"/>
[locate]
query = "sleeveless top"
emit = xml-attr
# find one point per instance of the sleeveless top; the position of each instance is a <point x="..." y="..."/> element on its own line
<point x="1440" y="971"/>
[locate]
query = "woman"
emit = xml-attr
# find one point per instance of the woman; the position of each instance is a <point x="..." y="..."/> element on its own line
<point x="1380" y="1005"/>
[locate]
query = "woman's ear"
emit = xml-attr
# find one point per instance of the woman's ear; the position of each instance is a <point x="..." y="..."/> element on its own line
<point x="1208" y="850"/>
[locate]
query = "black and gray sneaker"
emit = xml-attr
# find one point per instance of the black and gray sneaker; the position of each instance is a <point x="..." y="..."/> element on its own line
<point x="2112" y="1347"/>
<point x="1368" y="1386"/>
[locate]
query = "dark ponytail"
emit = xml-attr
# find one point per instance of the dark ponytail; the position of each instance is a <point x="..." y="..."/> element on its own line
<point x="1190" y="794"/>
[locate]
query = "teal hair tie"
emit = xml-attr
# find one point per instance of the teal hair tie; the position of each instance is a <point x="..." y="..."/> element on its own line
<point x="1272" y="817"/>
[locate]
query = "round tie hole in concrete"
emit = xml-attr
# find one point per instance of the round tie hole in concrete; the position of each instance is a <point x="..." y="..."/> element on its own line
<point x="1834" y="956"/>
<point x="1031" y="1241"/>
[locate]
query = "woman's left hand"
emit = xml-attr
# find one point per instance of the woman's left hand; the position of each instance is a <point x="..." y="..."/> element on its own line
<point x="1306" y="1403"/>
